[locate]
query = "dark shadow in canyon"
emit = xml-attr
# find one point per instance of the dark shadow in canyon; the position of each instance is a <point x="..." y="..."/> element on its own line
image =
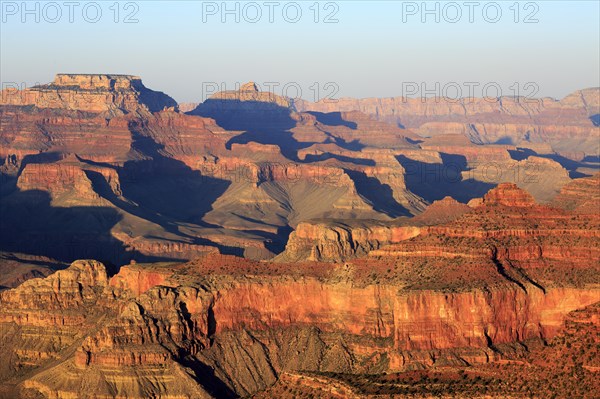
<point x="163" y="187"/>
<point x="570" y="165"/>
<point x="434" y="181"/>
<point x="505" y="140"/>
<point x="333" y="119"/>
<point x="158" y="189"/>
<point x="325" y="156"/>
<point x="42" y="263"/>
<point x="163" y="190"/>
<point x="258" y="121"/>
<point x="274" y="242"/>
<point x="30" y="225"/>
<point x="42" y="157"/>
<point x="205" y="376"/>
<point x="378" y="194"/>
<point x="592" y="159"/>
<point x="354" y="145"/>
<point x="269" y="123"/>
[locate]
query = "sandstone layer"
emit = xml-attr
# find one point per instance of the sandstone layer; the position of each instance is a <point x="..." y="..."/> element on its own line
<point x="98" y="166"/>
<point x="112" y="94"/>
<point x="462" y="292"/>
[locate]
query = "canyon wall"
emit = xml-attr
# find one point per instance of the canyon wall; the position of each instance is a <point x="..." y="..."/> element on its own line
<point x="148" y="318"/>
<point x="568" y="125"/>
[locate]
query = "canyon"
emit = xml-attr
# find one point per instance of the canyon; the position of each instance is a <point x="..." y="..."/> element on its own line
<point x="253" y="245"/>
<point x="224" y="326"/>
<point x="522" y="121"/>
<point x="242" y="170"/>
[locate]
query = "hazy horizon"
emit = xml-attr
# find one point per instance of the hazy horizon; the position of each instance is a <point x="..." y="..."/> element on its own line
<point x="373" y="50"/>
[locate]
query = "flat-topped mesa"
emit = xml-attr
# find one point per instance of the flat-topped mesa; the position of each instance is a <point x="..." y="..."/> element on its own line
<point x="97" y="81"/>
<point x="509" y="194"/>
<point x="97" y="93"/>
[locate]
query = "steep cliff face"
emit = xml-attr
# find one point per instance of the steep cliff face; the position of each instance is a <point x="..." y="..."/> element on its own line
<point x="331" y="241"/>
<point x="541" y="370"/>
<point x="43" y="317"/>
<point x="462" y="292"/>
<point x="186" y="331"/>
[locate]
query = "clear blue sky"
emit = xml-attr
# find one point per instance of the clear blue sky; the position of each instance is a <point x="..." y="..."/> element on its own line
<point x="370" y="52"/>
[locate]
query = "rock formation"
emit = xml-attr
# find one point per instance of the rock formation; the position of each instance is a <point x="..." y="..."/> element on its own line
<point x="569" y="125"/>
<point x="329" y="240"/>
<point x="544" y="370"/>
<point x="581" y="195"/>
<point x="237" y="173"/>
<point x="112" y="94"/>
<point x="461" y="292"/>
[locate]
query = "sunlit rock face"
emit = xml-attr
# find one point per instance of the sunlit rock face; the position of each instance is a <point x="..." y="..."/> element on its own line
<point x="453" y="292"/>
<point x="92" y="93"/>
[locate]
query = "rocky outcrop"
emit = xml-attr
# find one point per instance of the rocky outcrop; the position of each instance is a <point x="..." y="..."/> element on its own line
<point x="442" y="211"/>
<point x="508" y="194"/>
<point x="336" y="241"/>
<point x="328" y="241"/>
<point x="43" y="317"/>
<point x="526" y="242"/>
<point x="581" y="195"/>
<point x="68" y="180"/>
<point x="111" y="94"/>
